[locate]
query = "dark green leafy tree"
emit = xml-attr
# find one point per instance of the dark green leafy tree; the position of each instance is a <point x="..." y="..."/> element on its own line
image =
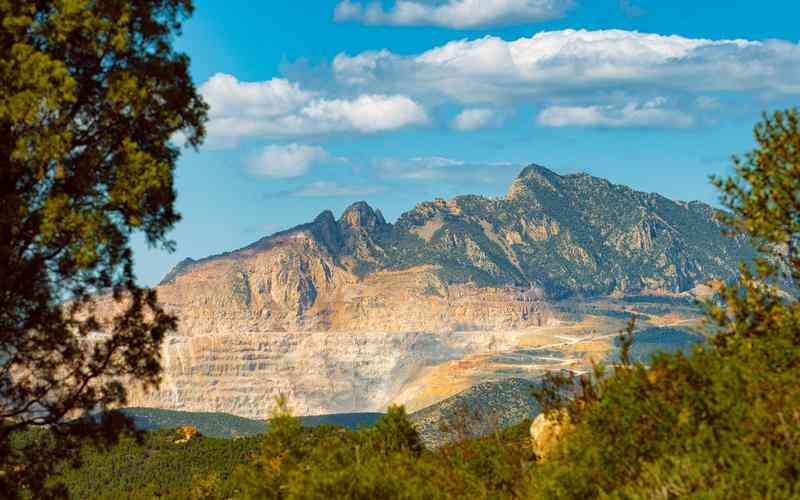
<point x="92" y="95"/>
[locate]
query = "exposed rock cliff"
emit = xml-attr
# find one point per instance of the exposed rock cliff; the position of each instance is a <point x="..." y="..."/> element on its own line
<point x="319" y="372"/>
<point x="470" y="262"/>
<point x="297" y="312"/>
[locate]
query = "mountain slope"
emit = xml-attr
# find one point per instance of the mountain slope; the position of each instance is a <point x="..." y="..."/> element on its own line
<point x="551" y="237"/>
<point x="573" y="234"/>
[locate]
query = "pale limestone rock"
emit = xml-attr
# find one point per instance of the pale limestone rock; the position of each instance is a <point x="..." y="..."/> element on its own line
<point x="318" y="372"/>
<point x="546" y="431"/>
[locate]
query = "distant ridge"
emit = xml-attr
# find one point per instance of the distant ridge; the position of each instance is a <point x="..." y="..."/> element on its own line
<point x="569" y="234"/>
<point x="225" y="425"/>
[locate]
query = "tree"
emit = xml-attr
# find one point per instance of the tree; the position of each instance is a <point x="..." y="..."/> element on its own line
<point x="764" y="202"/>
<point x="764" y="196"/>
<point x="92" y="98"/>
<point x="723" y="421"/>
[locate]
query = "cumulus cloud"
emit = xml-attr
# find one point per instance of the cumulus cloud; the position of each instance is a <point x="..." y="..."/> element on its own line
<point x="279" y="108"/>
<point x="367" y="113"/>
<point x="227" y="96"/>
<point x="571" y="62"/>
<point x="576" y="76"/>
<point x="652" y="113"/>
<point x="473" y="119"/>
<point x="459" y="14"/>
<point x="284" y="161"/>
<point x="328" y="189"/>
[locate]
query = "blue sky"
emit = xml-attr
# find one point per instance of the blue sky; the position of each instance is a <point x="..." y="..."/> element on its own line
<point x="315" y="105"/>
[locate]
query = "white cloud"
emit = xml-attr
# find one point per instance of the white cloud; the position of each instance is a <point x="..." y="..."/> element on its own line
<point x="327" y="189"/>
<point x="284" y="161"/>
<point x="575" y="62"/>
<point x="707" y="103"/>
<point x="417" y="169"/>
<point x="357" y="70"/>
<point x="460" y="14"/>
<point x="579" y="74"/>
<point x="279" y="108"/>
<point x="652" y="113"/>
<point x="473" y="119"/>
<point x="228" y="97"/>
<point x="367" y="113"/>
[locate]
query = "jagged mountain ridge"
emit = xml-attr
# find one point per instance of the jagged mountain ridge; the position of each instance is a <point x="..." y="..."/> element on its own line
<point x="567" y="235"/>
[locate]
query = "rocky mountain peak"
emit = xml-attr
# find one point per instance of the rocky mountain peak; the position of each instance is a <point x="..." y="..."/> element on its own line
<point x="179" y="267"/>
<point x="567" y="234"/>
<point x="360" y="215"/>
<point x="531" y="179"/>
<point x="326" y="230"/>
<point x="325" y="218"/>
<point x="535" y="171"/>
<point x="393" y="300"/>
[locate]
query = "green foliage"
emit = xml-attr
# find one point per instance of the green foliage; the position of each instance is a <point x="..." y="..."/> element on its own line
<point x="386" y="461"/>
<point x="395" y="433"/>
<point x="151" y="464"/>
<point x="292" y="461"/>
<point x="724" y="421"/>
<point x="763" y="196"/>
<point x="706" y="422"/>
<point x="499" y="461"/>
<point x="92" y="96"/>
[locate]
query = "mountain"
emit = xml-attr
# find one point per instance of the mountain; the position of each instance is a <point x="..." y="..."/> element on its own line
<point x="564" y="236"/>
<point x="348" y="315"/>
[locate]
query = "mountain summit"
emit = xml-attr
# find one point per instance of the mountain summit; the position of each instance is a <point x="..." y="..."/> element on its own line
<point x="566" y="235"/>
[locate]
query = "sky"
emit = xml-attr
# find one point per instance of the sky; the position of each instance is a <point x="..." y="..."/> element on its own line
<point x="316" y="105"/>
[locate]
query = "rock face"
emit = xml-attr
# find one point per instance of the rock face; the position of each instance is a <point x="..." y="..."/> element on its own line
<point x="339" y="314"/>
<point x="295" y="282"/>
<point x="319" y="372"/>
<point x="546" y="432"/>
<point x="186" y="434"/>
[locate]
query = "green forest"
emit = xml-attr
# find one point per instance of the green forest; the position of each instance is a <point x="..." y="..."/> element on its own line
<point x="93" y="93"/>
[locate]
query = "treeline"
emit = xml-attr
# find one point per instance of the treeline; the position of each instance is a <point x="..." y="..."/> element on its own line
<point x="387" y="460"/>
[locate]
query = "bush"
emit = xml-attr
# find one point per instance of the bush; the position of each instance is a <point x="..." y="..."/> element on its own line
<point x="386" y="461"/>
